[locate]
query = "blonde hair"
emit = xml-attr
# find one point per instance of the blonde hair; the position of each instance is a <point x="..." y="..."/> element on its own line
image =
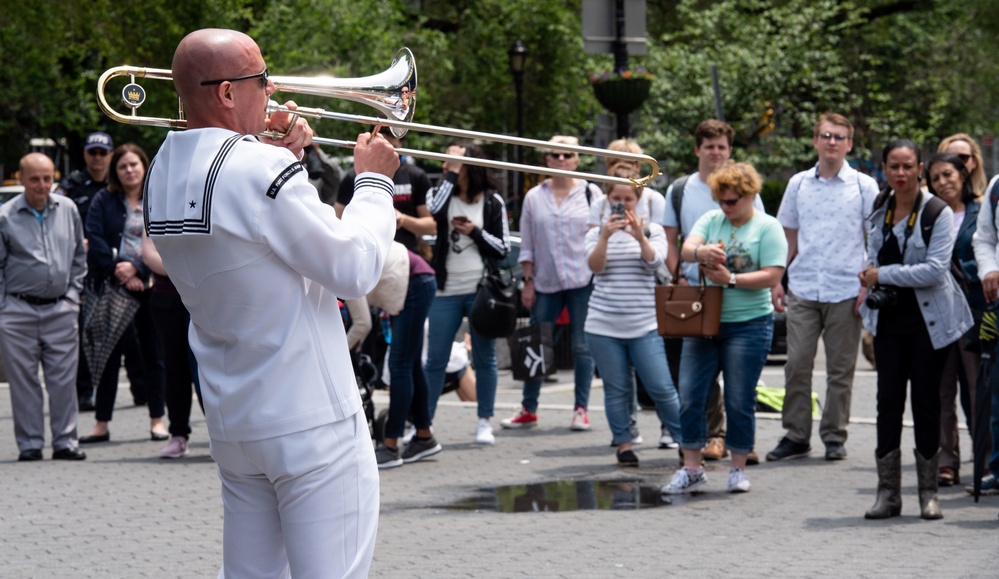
<point x="834" y="119"/>
<point x="563" y="140"/>
<point x="741" y="178"/>
<point x="625" y="172"/>
<point x="624" y="146"/>
<point x="978" y="180"/>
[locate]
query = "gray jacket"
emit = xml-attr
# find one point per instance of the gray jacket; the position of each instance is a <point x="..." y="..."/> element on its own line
<point x="927" y="270"/>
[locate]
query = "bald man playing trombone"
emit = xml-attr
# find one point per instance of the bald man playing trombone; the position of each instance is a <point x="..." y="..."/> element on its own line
<point x="259" y="262"/>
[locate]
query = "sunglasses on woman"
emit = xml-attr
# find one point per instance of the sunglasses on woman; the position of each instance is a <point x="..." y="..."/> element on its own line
<point x="729" y="202"/>
<point x="561" y="156"/>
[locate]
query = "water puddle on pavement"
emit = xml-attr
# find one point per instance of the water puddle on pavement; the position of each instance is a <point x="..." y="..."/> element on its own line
<point x="560" y="496"/>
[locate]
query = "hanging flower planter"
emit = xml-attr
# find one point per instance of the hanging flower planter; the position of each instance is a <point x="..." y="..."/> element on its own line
<point x="622" y="92"/>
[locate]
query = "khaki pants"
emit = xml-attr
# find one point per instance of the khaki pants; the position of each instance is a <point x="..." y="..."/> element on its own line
<point x="840" y="329"/>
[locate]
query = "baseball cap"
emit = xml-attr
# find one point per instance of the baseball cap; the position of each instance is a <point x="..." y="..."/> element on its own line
<point x="98" y="141"/>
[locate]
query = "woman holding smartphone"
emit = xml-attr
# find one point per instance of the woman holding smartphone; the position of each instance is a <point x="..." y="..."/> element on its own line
<point x="621" y="329"/>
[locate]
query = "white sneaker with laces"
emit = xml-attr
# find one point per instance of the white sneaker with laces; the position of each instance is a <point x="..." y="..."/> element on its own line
<point x="666" y="440"/>
<point x="737" y="481"/>
<point x="484" y="432"/>
<point x="580" y="421"/>
<point x="685" y="481"/>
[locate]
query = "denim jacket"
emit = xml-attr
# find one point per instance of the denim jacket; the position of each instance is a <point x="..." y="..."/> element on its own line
<point x="927" y="270"/>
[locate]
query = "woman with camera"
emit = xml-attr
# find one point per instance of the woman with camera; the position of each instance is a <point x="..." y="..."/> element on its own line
<point x="949" y="179"/>
<point x="915" y="310"/>
<point x="621" y="330"/>
<point x="472" y="234"/>
<point x="743" y="250"/>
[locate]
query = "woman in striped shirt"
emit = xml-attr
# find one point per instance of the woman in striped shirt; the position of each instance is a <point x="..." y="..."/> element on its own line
<point x="621" y="331"/>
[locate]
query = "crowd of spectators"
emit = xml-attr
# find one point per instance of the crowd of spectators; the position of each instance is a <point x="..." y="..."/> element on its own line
<point x="841" y="254"/>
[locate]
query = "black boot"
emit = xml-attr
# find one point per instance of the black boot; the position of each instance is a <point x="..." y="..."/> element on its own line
<point x="889" y="500"/>
<point x="926" y="470"/>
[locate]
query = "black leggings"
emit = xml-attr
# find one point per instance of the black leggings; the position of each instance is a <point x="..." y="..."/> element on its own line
<point x="908" y="358"/>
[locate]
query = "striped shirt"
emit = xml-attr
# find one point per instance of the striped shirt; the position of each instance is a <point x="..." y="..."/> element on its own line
<point x="550" y="236"/>
<point x="623" y="302"/>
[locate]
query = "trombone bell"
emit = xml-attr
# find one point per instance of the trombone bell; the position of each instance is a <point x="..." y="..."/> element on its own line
<point x="392" y="92"/>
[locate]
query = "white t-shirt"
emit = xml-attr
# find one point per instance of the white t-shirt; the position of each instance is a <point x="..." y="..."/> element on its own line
<point x="651" y="207"/>
<point x="463" y="261"/>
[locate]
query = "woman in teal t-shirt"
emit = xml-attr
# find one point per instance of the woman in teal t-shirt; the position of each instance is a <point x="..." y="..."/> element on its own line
<point x="744" y="251"/>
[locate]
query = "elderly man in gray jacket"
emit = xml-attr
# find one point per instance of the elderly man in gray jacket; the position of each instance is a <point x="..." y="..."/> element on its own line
<point x="43" y="261"/>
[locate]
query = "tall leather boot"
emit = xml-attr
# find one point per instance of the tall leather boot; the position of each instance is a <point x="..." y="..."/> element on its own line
<point x="926" y="470"/>
<point x="889" y="500"/>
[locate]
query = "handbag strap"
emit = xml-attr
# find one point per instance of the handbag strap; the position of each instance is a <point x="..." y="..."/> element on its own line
<point x="676" y="276"/>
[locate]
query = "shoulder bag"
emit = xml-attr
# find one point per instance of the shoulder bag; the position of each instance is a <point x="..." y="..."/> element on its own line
<point x="688" y="311"/>
<point x="494" y="310"/>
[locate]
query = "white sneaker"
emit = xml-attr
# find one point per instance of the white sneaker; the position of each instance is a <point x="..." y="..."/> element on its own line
<point x="484" y="432"/>
<point x="580" y="421"/>
<point x="737" y="481"/>
<point x="666" y="440"/>
<point x="685" y="481"/>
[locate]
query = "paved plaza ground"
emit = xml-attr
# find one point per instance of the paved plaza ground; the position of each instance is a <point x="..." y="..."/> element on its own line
<point x="125" y="513"/>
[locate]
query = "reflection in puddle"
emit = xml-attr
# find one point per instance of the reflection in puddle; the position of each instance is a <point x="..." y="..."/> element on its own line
<point x="565" y="496"/>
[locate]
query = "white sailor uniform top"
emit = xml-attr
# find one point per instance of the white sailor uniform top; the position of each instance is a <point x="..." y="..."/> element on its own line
<point x="259" y="262"/>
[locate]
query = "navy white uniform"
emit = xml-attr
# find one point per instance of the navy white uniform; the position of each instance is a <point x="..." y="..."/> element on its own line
<point x="259" y="262"/>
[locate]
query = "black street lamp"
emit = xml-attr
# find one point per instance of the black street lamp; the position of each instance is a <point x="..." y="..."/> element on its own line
<point x="518" y="59"/>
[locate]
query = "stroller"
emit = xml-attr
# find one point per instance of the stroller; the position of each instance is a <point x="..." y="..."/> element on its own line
<point x="366" y="364"/>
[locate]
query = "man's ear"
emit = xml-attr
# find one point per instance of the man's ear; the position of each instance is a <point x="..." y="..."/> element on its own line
<point x="224" y="95"/>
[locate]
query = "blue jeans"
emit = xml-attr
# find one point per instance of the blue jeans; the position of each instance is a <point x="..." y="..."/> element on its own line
<point x="547" y="309"/>
<point x="615" y="357"/>
<point x="739" y="351"/>
<point x="408" y="392"/>
<point x="446" y="314"/>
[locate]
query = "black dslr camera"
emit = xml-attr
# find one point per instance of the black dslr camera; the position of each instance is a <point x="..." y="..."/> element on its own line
<point x="882" y="296"/>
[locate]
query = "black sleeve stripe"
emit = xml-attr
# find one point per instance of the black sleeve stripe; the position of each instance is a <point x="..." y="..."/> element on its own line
<point x="283" y="178"/>
<point x="375" y="182"/>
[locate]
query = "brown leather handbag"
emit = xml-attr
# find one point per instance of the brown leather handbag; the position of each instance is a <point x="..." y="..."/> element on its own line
<point x="688" y="311"/>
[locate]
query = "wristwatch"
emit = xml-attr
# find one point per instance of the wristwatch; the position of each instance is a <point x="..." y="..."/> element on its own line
<point x="731" y="280"/>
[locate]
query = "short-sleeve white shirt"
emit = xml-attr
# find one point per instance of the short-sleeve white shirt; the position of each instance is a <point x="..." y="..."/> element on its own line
<point x="829" y="216"/>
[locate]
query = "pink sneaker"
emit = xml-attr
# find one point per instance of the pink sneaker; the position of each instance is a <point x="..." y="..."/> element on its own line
<point x="176" y="448"/>
<point x="580" y="421"/>
<point x="522" y="419"/>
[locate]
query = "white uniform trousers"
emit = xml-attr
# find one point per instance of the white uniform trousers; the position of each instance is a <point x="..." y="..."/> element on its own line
<point x="303" y="505"/>
<point x="47" y="334"/>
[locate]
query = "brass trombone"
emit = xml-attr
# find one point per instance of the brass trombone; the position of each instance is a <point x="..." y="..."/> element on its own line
<point x="392" y="93"/>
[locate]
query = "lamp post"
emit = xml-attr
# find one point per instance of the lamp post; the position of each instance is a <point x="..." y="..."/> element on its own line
<point x="518" y="59"/>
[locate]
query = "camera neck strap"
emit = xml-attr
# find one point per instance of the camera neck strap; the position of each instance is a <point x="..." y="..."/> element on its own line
<point x="910" y="224"/>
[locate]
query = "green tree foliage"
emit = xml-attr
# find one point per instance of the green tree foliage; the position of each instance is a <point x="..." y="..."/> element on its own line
<point x="919" y="68"/>
<point x="910" y="68"/>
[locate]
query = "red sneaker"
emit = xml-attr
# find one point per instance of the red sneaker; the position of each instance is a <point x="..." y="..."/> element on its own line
<point x="522" y="419"/>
